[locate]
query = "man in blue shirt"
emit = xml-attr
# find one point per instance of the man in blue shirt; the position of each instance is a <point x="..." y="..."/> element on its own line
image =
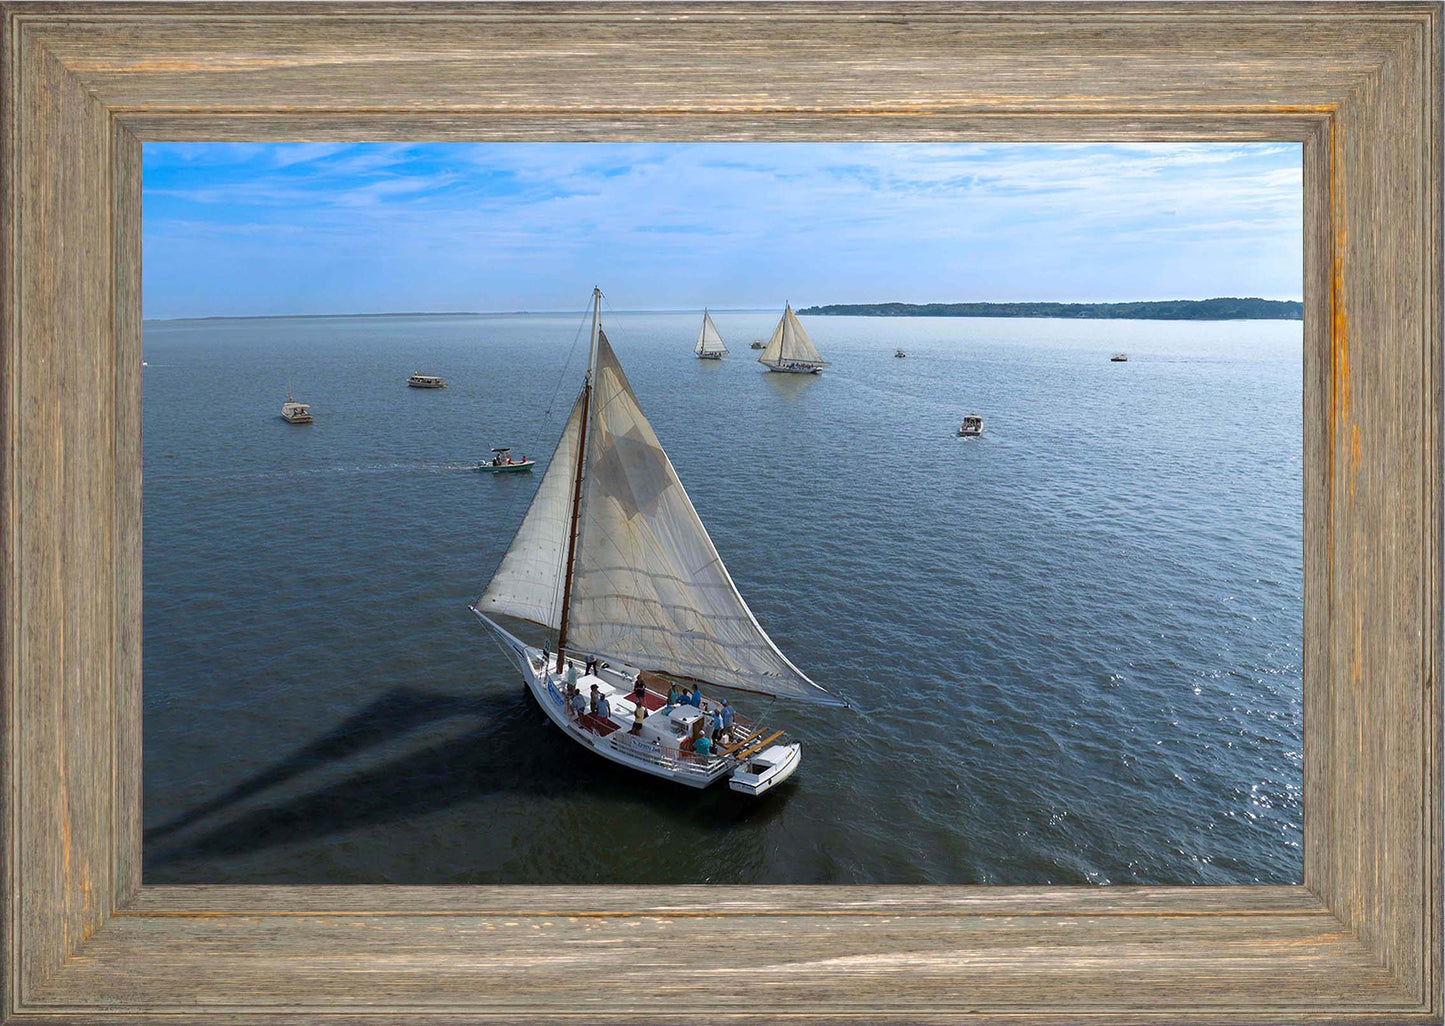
<point x="702" y="746"/>
<point x="604" y="708"/>
<point x="579" y="704"/>
<point x="695" y="699"/>
<point x="727" y="715"/>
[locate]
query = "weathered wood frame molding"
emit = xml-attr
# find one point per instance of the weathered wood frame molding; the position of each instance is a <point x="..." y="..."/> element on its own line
<point x="1358" y="85"/>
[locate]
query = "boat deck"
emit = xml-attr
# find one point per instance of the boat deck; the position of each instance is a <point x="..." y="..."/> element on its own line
<point x="670" y="730"/>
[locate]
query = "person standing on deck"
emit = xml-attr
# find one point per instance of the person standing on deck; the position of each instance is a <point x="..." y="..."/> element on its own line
<point x="639" y="713"/>
<point x="726" y="712"/>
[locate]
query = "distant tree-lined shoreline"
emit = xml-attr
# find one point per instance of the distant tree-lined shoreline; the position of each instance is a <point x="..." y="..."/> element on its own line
<point x="1223" y="309"/>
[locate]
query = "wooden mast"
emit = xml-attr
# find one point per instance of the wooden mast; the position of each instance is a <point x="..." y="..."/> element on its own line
<point x="577" y="479"/>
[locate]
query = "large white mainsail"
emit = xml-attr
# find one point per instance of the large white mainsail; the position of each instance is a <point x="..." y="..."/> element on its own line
<point x="790" y="344"/>
<point x="708" y="339"/>
<point x="647" y="586"/>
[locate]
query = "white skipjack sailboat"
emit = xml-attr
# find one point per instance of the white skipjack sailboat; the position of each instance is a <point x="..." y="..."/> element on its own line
<point x="710" y="345"/>
<point x="612" y="556"/>
<point x="790" y="350"/>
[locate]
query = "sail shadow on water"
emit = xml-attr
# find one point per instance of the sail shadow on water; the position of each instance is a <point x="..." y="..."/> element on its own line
<point x="496" y="746"/>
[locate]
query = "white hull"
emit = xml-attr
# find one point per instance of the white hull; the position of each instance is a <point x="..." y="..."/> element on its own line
<point x="649" y="752"/>
<point x="792" y="368"/>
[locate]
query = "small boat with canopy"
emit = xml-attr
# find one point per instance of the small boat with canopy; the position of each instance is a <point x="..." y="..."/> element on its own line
<point x="503" y="463"/>
<point x="790" y="350"/>
<point x="710" y="345"/>
<point x="612" y="557"/>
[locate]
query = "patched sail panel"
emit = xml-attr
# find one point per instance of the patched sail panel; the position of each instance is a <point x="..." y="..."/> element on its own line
<point x="528" y="584"/>
<point x="790" y="343"/>
<point x="648" y="586"/>
<point x="708" y="339"/>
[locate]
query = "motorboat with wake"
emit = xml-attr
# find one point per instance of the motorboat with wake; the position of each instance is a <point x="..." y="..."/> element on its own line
<point x="612" y="557"/>
<point x="503" y="463"/>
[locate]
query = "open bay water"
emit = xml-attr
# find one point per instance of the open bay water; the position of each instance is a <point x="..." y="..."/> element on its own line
<point x="1074" y="643"/>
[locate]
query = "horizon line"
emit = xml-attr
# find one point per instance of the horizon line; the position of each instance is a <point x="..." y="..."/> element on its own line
<point x="683" y="309"/>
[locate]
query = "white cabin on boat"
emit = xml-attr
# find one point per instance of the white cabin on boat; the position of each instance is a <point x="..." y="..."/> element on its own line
<point x="293" y="412"/>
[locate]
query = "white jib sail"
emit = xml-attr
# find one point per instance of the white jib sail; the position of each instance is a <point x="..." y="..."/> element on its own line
<point x="649" y="587"/>
<point x="528" y="584"/>
<point x="708" y="339"/>
<point x="790" y="343"/>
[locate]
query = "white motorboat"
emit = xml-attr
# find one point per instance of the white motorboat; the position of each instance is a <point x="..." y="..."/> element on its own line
<point x="503" y="463"/>
<point x="971" y="427"/>
<point x="710" y="345"/>
<point x="790" y="350"/>
<point x="420" y="380"/>
<point x="611" y="556"/>
<point x="1119" y="358"/>
<point x="293" y="412"/>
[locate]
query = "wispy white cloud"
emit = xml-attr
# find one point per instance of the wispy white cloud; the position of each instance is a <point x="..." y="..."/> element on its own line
<point x="519" y="225"/>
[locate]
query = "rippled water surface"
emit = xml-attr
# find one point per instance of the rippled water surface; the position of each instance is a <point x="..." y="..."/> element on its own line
<point x="1075" y="641"/>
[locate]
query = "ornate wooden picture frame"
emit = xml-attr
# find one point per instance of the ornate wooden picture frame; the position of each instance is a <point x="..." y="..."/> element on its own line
<point x="1358" y="85"/>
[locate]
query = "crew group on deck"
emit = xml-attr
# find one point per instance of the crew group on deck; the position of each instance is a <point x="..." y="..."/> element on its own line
<point x="681" y="720"/>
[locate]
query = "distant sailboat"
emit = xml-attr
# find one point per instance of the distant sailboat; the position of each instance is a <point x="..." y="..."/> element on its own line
<point x="612" y="556"/>
<point x="790" y="350"/>
<point x="710" y="345"/>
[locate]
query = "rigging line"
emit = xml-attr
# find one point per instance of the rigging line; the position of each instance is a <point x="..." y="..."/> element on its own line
<point x="562" y="375"/>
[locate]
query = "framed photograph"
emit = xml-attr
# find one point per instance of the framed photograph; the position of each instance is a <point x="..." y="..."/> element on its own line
<point x="755" y="511"/>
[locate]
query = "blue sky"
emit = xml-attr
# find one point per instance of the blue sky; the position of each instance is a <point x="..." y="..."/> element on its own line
<point x="233" y="229"/>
